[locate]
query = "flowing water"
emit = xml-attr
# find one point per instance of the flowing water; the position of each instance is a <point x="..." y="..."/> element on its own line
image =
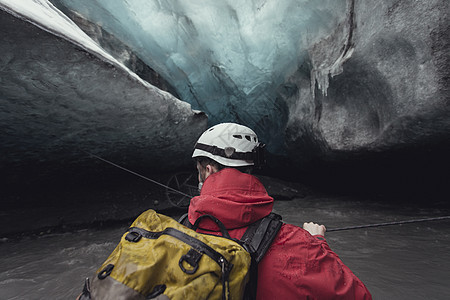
<point x="410" y="261"/>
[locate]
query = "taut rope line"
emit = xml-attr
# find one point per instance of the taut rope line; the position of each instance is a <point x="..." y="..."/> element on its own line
<point x="389" y="223"/>
<point x="328" y="230"/>
<point x="137" y="174"/>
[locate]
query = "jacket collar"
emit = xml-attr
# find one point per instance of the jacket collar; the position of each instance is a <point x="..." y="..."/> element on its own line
<point x="235" y="198"/>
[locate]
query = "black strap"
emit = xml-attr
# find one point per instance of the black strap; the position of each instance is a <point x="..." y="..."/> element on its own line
<point x="219" y="224"/>
<point x="86" y="294"/>
<point x="184" y="220"/>
<point x="260" y="235"/>
<point x="136" y="233"/>
<point x="257" y="238"/>
<point x="232" y="154"/>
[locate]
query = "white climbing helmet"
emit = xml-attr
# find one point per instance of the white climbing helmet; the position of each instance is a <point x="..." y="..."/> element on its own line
<point x="231" y="145"/>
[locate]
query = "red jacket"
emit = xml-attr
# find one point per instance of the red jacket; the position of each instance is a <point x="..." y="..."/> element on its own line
<point x="297" y="265"/>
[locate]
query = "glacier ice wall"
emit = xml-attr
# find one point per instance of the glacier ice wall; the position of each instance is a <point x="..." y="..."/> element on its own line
<point x="62" y="96"/>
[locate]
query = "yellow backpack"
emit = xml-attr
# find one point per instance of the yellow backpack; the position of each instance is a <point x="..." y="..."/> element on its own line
<point x="159" y="258"/>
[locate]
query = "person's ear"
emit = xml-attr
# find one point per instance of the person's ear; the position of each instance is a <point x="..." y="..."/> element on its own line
<point x="209" y="170"/>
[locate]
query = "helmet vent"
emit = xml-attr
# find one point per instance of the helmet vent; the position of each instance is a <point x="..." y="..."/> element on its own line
<point x="237" y="136"/>
<point x="248" y="138"/>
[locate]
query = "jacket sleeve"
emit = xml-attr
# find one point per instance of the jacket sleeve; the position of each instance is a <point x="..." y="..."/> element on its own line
<point x="301" y="266"/>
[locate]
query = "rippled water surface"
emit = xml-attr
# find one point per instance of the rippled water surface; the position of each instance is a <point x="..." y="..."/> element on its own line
<point x="410" y="261"/>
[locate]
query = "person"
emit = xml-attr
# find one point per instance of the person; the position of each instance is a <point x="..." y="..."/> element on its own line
<point x="299" y="263"/>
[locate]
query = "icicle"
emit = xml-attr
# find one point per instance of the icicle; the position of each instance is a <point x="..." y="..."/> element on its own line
<point x="322" y="75"/>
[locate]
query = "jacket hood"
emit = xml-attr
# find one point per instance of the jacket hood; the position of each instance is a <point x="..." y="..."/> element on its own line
<point x="235" y="198"/>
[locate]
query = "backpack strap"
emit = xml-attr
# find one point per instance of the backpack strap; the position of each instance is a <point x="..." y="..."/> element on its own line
<point x="257" y="238"/>
<point x="219" y="224"/>
<point x="260" y="235"/>
<point x="183" y="220"/>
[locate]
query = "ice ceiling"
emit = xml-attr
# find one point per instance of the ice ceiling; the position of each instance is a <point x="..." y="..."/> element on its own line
<point x="229" y="59"/>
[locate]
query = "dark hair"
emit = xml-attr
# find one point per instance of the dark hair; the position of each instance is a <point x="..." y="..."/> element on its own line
<point x="204" y="161"/>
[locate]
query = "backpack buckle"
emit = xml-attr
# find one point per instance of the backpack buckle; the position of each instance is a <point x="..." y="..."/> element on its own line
<point x="133" y="236"/>
<point x="192" y="258"/>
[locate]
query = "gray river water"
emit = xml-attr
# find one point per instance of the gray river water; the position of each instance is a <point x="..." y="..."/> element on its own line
<point x="410" y="261"/>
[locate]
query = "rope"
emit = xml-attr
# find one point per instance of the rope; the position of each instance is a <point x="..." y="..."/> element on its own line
<point x="137" y="174"/>
<point x="389" y="223"/>
<point x="328" y="230"/>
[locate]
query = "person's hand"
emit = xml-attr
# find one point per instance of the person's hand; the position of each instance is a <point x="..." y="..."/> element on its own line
<point x="314" y="229"/>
